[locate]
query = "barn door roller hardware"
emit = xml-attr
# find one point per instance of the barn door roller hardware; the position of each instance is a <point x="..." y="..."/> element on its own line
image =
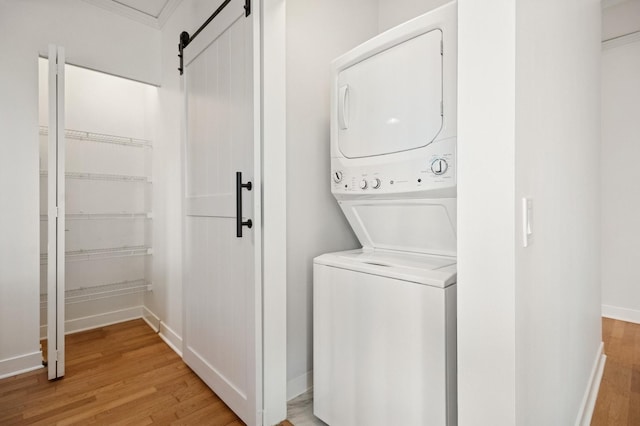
<point x="185" y="38"/>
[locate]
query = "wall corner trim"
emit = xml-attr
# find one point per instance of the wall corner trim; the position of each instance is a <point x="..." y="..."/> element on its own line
<point x="151" y="319"/>
<point x="593" y="386"/>
<point x="166" y="333"/>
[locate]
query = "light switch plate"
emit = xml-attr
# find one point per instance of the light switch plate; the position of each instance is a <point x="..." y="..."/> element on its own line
<point x="527" y="221"/>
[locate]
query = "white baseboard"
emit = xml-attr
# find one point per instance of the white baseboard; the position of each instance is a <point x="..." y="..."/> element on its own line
<point x="171" y="338"/>
<point x="152" y="319"/>
<point x="623" y="314"/>
<point x="299" y="385"/>
<point x="20" y="364"/>
<point x="591" y="393"/>
<point x="101" y="320"/>
<point x="95" y="321"/>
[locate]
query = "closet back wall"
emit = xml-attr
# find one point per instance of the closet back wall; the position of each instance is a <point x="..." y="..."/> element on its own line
<point x="93" y="38"/>
<point x="108" y="194"/>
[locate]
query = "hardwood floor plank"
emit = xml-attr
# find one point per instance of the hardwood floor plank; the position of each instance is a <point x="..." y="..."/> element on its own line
<point x="135" y="421"/>
<point x="141" y="409"/>
<point x="123" y="374"/>
<point x="207" y="415"/>
<point x="618" y="402"/>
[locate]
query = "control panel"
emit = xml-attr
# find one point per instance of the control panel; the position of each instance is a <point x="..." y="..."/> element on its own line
<point x="429" y="168"/>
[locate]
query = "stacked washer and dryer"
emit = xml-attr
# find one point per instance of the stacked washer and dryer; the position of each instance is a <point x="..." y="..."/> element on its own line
<point x="385" y="315"/>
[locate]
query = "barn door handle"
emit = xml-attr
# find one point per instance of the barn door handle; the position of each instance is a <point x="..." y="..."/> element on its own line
<point x="239" y="222"/>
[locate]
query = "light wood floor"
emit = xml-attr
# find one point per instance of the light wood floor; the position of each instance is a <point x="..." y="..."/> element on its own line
<point x="619" y="397"/>
<point x="117" y="375"/>
<point x="125" y="374"/>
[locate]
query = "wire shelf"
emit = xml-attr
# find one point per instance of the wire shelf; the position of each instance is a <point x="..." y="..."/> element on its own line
<point x="101" y="137"/>
<point x="105" y="253"/>
<point x="103" y="216"/>
<point x="85" y="294"/>
<point x="102" y="176"/>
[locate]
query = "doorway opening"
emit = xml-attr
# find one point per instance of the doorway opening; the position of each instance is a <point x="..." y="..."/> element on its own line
<point x="104" y="155"/>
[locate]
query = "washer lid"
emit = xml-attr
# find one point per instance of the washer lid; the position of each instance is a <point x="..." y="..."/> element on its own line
<point x="436" y="271"/>
<point x="422" y="226"/>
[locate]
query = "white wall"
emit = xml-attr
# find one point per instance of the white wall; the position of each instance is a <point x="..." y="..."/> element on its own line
<point x="528" y="318"/>
<point x="93" y="38"/>
<point x="486" y="212"/>
<point x="620" y="174"/>
<point x="100" y="103"/>
<point x="166" y="300"/>
<point x="558" y="326"/>
<point x="317" y="32"/>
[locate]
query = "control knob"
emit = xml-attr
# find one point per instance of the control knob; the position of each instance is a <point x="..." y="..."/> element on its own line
<point x="337" y="176"/>
<point x="363" y="184"/>
<point x="439" y="166"/>
<point x="375" y="183"/>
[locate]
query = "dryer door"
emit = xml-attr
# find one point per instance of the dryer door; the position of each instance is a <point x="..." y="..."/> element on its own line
<point x="391" y="101"/>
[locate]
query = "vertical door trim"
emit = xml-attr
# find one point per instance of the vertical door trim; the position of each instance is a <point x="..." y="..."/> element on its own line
<point x="257" y="209"/>
<point x="56" y="216"/>
<point x="274" y="211"/>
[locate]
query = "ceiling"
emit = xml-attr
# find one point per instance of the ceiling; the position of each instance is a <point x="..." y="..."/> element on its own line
<point x="150" y="12"/>
<point x="152" y="8"/>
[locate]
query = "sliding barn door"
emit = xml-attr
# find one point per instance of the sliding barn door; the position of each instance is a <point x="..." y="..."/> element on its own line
<point x="221" y="227"/>
<point x="56" y="216"/>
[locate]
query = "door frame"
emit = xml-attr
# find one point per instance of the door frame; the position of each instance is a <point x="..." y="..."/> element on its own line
<point x="274" y="202"/>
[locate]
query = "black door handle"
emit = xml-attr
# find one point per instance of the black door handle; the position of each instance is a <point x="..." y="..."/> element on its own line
<point x="239" y="222"/>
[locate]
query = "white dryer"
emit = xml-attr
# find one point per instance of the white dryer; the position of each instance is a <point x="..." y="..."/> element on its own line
<point x="385" y="315"/>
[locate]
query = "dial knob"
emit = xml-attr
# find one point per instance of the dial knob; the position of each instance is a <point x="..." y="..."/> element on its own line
<point x="439" y="166"/>
<point x="363" y="184"/>
<point x="375" y="183"/>
<point x="337" y="176"/>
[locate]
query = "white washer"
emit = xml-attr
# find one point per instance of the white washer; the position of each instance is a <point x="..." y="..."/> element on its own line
<point x="385" y="315"/>
<point x="384" y="338"/>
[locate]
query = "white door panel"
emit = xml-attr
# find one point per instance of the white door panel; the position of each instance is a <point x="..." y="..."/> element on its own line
<point x="220" y="276"/>
<point x="56" y="216"/>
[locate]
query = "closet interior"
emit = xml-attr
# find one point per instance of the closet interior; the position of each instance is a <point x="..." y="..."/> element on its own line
<point x="108" y="154"/>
